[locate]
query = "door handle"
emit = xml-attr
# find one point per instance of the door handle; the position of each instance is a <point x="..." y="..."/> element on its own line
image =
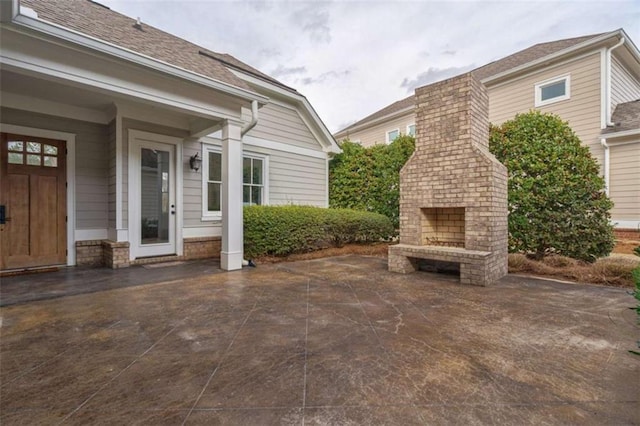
<point x="173" y="209"/>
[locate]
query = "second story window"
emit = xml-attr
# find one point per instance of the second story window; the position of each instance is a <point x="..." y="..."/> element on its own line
<point x="411" y="129"/>
<point x="553" y="90"/>
<point x="392" y="135"/>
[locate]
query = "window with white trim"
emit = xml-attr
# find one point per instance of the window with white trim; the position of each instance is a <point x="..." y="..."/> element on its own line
<point x="392" y="135"/>
<point x="553" y="90"/>
<point x="411" y="130"/>
<point x="252" y="180"/>
<point x="254" y="185"/>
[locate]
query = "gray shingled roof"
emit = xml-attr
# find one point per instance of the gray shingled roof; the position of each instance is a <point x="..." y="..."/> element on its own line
<point x="96" y="20"/>
<point x="626" y="116"/>
<point x="493" y="68"/>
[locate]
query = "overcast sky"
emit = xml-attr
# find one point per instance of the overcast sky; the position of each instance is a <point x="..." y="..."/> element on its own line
<point x="351" y="58"/>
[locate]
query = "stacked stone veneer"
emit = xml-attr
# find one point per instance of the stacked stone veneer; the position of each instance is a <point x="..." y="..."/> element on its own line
<point x="116" y="254"/>
<point x="453" y="175"/>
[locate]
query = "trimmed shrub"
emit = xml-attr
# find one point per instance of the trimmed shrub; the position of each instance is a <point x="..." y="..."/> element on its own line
<point x="369" y="178"/>
<point x="284" y="230"/>
<point x="557" y="202"/>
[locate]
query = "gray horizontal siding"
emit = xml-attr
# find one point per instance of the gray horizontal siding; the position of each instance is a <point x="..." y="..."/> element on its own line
<point x="92" y="165"/>
<point x="281" y="124"/>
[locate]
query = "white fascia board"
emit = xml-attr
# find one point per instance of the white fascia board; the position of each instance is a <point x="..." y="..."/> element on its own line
<point x="381" y="119"/>
<point x="580" y="46"/>
<point x="325" y="138"/>
<point x="75" y="37"/>
<point x="620" y="134"/>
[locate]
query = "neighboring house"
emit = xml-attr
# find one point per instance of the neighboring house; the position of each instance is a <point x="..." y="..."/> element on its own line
<point x="593" y="82"/>
<point x="104" y="123"/>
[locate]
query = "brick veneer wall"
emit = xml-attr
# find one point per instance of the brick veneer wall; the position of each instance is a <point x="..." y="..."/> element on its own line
<point x="89" y="253"/>
<point x="453" y="168"/>
<point x="202" y="247"/>
<point x="116" y="254"/>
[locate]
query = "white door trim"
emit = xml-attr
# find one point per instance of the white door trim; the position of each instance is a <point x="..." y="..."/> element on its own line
<point x="133" y="136"/>
<point x="70" y="139"/>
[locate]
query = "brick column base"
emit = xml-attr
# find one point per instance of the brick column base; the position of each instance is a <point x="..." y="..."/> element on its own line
<point x="116" y="254"/>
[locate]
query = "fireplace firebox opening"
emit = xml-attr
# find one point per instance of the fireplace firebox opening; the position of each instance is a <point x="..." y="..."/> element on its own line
<point x="443" y="226"/>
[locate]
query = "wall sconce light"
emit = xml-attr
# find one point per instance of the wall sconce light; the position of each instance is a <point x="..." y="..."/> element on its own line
<point x="195" y="162"/>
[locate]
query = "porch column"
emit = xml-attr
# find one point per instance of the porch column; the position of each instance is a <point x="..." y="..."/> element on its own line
<point x="232" y="225"/>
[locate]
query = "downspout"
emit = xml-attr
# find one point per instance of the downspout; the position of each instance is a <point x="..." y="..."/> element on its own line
<point x="603" y="142"/>
<point x="608" y="94"/>
<point x="254" y="119"/>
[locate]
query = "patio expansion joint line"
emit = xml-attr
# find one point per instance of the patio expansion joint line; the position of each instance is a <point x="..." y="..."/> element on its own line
<point x="56" y="356"/>
<point x="224" y="357"/>
<point x="120" y="373"/>
<point x="306" y="338"/>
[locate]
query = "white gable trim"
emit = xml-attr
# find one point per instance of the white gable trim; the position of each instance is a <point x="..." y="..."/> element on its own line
<point x="319" y="130"/>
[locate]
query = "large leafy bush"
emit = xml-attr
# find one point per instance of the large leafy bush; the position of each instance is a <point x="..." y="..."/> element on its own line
<point x="369" y="178"/>
<point x="283" y="230"/>
<point x="557" y="202"/>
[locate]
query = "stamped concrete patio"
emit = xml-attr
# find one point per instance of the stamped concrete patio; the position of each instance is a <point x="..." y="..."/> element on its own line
<point x="330" y="341"/>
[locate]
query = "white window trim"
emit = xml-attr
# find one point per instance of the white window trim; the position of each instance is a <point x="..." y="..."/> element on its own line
<point x="391" y="131"/>
<point x="538" y="90"/>
<point x="265" y="174"/>
<point x="414" y="130"/>
<point x="208" y="216"/>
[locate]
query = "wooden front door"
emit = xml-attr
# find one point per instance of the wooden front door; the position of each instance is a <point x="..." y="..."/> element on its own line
<point x="34" y="197"/>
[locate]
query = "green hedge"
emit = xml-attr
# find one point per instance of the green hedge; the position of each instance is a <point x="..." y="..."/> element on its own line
<point x="283" y="230"/>
<point x="369" y="178"/>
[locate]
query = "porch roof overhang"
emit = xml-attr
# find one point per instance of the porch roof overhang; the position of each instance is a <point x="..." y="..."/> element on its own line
<point x="38" y="49"/>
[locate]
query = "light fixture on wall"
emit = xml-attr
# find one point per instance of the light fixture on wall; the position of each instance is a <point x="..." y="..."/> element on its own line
<point x="195" y="162"/>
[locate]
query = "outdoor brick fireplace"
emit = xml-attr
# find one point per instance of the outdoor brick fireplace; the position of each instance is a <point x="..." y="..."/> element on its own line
<point x="453" y="192"/>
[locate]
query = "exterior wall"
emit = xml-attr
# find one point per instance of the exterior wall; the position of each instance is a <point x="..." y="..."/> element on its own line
<point x="624" y="87"/>
<point x="111" y="155"/>
<point x="377" y="134"/>
<point x="281" y="123"/>
<point x="624" y="179"/>
<point x="582" y="110"/>
<point x="293" y="178"/>
<point x="92" y="165"/>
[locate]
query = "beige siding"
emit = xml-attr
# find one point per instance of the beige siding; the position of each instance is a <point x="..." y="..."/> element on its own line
<point x="624" y="183"/>
<point x="624" y="87"/>
<point x="281" y="124"/>
<point x="377" y="134"/>
<point x="582" y="110"/>
<point x="91" y="162"/>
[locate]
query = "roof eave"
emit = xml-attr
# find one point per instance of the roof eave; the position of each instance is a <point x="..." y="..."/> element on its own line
<point x="101" y="46"/>
<point x="575" y="48"/>
<point x="360" y="126"/>
<point x="327" y="140"/>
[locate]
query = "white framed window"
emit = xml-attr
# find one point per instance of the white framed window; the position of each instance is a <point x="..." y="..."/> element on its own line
<point x="411" y="130"/>
<point x="553" y="90"/>
<point x="392" y="135"/>
<point x="254" y="180"/>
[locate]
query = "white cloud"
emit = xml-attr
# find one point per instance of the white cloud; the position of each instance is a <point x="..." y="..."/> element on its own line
<point x="351" y="58"/>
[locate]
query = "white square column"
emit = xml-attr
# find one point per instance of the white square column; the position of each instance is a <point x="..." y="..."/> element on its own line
<point x="232" y="224"/>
